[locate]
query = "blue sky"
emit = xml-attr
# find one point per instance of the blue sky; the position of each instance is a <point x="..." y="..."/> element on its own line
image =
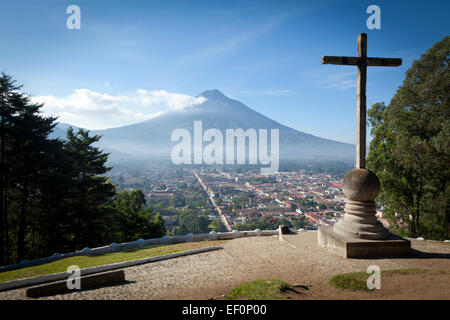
<point x="132" y="60"/>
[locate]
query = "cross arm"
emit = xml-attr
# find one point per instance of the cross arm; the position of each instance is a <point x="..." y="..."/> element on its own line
<point x="384" y="62"/>
<point x="354" y="61"/>
<point x="348" y="61"/>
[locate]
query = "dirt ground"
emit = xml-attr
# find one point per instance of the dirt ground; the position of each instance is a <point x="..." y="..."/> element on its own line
<point x="393" y="287"/>
<point x="297" y="260"/>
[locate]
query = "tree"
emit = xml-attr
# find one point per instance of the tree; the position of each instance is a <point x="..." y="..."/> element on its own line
<point x="90" y="192"/>
<point x="25" y="160"/>
<point x="190" y="222"/>
<point x="158" y="229"/>
<point x="29" y="161"/>
<point x="181" y="230"/>
<point x="264" y="223"/>
<point x="216" y="225"/>
<point x="410" y="151"/>
<point x="300" y="223"/>
<point x="7" y="89"/>
<point x="54" y="195"/>
<point x="283" y="221"/>
<point x="51" y="224"/>
<point x="133" y="220"/>
<point x="177" y="201"/>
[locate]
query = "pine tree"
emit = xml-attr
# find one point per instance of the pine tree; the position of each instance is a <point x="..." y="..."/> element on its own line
<point x="29" y="159"/>
<point x="24" y="161"/>
<point x="7" y="89"/>
<point x="91" y="193"/>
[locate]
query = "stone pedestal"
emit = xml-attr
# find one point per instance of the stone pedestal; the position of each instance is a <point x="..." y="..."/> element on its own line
<point x="359" y="234"/>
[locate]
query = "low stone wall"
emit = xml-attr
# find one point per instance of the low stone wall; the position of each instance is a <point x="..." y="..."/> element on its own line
<point x="141" y="243"/>
<point x="19" y="283"/>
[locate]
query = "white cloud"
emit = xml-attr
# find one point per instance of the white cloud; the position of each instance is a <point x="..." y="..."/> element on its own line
<point x="175" y="101"/>
<point x="331" y="77"/>
<point x="93" y="110"/>
<point x="340" y="80"/>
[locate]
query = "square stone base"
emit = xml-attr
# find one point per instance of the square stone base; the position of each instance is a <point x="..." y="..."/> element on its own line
<point x="361" y="248"/>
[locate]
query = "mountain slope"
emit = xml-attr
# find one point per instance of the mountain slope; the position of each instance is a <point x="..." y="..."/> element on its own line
<point x="151" y="138"/>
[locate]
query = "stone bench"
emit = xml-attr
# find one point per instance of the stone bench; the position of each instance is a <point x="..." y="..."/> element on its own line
<point x="86" y="282"/>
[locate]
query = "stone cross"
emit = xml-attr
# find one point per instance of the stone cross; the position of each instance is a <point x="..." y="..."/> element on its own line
<point x="362" y="61"/>
<point x="359" y="234"/>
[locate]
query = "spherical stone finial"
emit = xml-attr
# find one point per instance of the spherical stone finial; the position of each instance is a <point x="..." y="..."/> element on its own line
<point x="361" y="185"/>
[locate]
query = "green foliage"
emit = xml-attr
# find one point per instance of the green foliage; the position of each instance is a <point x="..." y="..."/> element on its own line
<point x="162" y="206"/>
<point x="89" y="196"/>
<point x="158" y="228"/>
<point x="271" y="289"/>
<point x="264" y="223"/>
<point x="240" y="202"/>
<point x="307" y="203"/>
<point x="177" y="201"/>
<point x="284" y="221"/>
<point x="54" y="196"/>
<point x="357" y="281"/>
<point x="180" y="230"/>
<point x="300" y="223"/>
<point x="28" y="162"/>
<point x="190" y="222"/>
<point x="199" y="201"/>
<point x="133" y="220"/>
<point x="270" y="223"/>
<point x="216" y="225"/>
<point x="354" y="281"/>
<point x="267" y="179"/>
<point x="410" y="151"/>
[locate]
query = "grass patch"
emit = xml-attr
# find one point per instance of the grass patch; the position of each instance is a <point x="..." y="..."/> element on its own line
<point x="357" y="281"/>
<point x="260" y="290"/>
<point x="102" y="259"/>
<point x="405" y="271"/>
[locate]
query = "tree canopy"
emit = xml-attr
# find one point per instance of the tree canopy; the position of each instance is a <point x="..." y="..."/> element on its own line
<point x="410" y="151"/>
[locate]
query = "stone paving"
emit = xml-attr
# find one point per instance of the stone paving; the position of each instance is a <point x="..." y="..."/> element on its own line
<point x="296" y="259"/>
